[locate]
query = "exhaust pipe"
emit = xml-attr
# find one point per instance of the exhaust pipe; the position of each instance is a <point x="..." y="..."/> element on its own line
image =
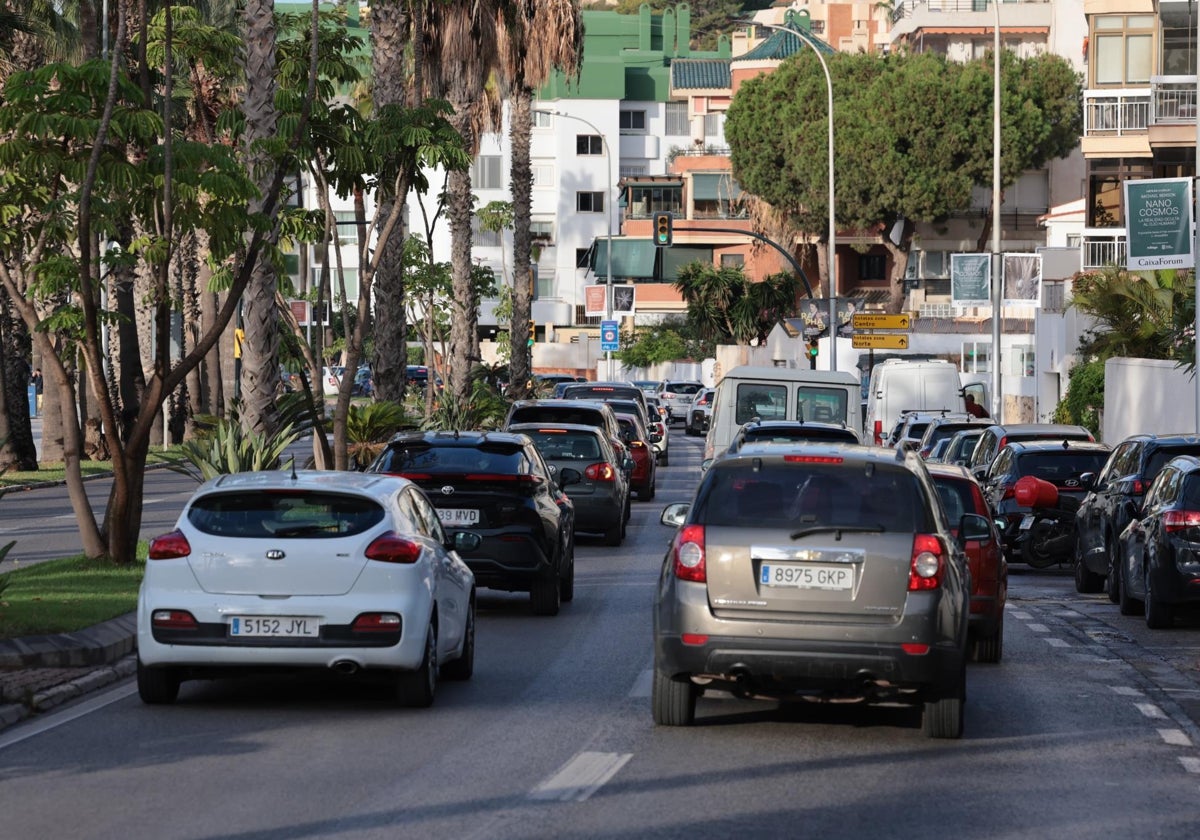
<point x="345" y="666"/>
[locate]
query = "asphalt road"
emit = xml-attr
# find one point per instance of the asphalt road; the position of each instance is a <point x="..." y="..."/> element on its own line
<point x="1083" y="730"/>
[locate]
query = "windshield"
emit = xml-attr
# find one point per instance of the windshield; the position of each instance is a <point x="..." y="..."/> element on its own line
<point x="259" y="514"/>
<point x="1061" y="467"/>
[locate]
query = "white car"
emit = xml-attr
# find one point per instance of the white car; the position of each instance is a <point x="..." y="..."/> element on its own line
<point x="307" y="570"/>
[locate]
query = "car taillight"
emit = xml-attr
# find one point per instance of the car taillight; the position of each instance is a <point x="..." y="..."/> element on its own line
<point x="411" y="476"/>
<point x="670" y="395"/>
<point x="600" y="472"/>
<point x="1003" y="442"/>
<point x="392" y="548"/>
<point x="169" y="546"/>
<point x="812" y="459"/>
<point x="924" y="453"/>
<point x="636" y="444"/>
<point x="1179" y="520"/>
<point x="173" y="620"/>
<point x="925" y="570"/>
<point x="514" y="479"/>
<point x="879" y="433"/>
<point x="376" y="623"/>
<point x="688" y="553"/>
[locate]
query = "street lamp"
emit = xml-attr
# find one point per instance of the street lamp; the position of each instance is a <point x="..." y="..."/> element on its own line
<point x="808" y="39"/>
<point x="607" y="211"/>
<point x="997" y="291"/>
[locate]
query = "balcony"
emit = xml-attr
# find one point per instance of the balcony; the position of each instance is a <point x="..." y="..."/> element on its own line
<point x="911" y="16"/>
<point x="1101" y="248"/>
<point x="1116" y="113"/>
<point x="1173" y="100"/>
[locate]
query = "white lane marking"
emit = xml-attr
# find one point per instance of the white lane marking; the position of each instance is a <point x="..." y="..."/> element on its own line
<point x="1062" y="643"/>
<point x="153" y="501"/>
<point x="580" y="777"/>
<point x="1019" y="615"/>
<point x="1126" y="691"/>
<point x="1151" y="710"/>
<point x="641" y="686"/>
<point x="1190" y="763"/>
<point x="1038" y="628"/>
<point x="1175" y="737"/>
<point x="68" y="715"/>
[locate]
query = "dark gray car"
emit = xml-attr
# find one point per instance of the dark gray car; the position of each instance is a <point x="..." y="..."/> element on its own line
<point x="835" y="576"/>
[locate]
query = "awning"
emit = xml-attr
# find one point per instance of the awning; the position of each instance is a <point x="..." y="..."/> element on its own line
<point x="677" y="256"/>
<point x="715" y="187"/>
<point x="631" y="258"/>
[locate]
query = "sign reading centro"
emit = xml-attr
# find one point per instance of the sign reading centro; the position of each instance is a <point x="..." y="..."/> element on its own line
<point x="1158" y="224"/>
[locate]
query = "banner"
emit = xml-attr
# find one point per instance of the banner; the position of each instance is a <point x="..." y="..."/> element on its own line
<point x="971" y="279"/>
<point x="623" y="299"/>
<point x="1022" y="275"/>
<point x="1158" y="224"/>
<point x="593" y="301"/>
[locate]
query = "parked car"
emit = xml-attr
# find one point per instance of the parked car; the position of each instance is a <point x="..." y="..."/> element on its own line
<point x="1112" y="504"/>
<point x="608" y="391"/>
<point x="834" y="576"/>
<point x="935" y="454"/>
<point x="644" y="478"/>
<point x="677" y="397"/>
<point x="649" y="386"/>
<point x="960" y="494"/>
<point x="1063" y="463"/>
<point x="364" y="384"/>
<point x="660" y="438"/>
<point x="945" y="427"/>
<point x="962" y="444"/>
<point x="786" y="432"/>
<point x="699" y="413"/>
<point x="331" y="380"/>
<point x="601" y="496"/>
<point x="307" y="570"/>
<point x="995" y="437"/>
<point x="418" y="377"/>
<point x="586" y="412"/>
<point x="1159" y="547"/>
<point x="915" y="424"/>
<point x="496" y="485"/>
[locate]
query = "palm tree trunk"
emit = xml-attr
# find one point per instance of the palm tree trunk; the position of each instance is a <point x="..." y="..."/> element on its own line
<point x="17" y="449"/>
<point x="520" y="362"/>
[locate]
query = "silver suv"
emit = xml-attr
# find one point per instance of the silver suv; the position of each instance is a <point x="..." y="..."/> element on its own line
<point x="677" y="397"/>
<point x="836" y="578"/>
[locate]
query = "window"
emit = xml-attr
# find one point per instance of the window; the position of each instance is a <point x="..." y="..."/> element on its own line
<point x="345" y="229"/>
<point x="677" y="119"/>
<point x="589" y="144"/>
<point x="1105" y="190"/>
<point x="764" y="402"/>
<point x="872" y="267"/>
<point x="827" y="405"/>
<point x="976" y="357"/>
<point x="543" y="175"/>
<point x="542" y="230"/>
<point x="654" y="198"/>
<point x="1021" y="360"/>
<point x="485" y="172"/>
<point x="732" y="260"/>
<point x="589" y="202"/>
<point x="633" y="121"/>
<point x="712" y="125"/>
<point x="482" y="237"/>
<point x="1123" y="49"/>
<point x="935" y="264"/>
<point x="583" y="257"/>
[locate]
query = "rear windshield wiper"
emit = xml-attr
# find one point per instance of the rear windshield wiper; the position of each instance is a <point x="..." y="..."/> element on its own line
<point x="837" y="530"/>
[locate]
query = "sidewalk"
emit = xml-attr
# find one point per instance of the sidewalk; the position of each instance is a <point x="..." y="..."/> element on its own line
<point x="38" y="673"/>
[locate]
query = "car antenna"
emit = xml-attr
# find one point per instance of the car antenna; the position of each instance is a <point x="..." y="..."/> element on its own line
<point x="294" y="476"/>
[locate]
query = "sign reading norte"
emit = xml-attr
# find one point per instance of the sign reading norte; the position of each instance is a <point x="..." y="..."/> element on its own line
<point x="1158" y="224"/>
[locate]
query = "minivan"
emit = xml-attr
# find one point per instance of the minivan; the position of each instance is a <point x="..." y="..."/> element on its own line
<point x="902" y="385"/>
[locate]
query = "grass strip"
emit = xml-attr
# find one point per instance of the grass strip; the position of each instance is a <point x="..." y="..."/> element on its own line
<point x="61" y="596"/>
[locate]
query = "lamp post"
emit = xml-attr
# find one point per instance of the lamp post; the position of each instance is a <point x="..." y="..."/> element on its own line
<point x="997" y="290"/>
<point x="805" y="38"/>
<point x="607" y="211"/>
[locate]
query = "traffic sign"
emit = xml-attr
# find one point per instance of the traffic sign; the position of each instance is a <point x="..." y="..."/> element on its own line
<point x="880" y="341"/>
<point x="610" y="339"/>
<point x="877" y="321"/>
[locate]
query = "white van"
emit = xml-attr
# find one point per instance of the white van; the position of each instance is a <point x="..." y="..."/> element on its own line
<point x="750" y="393"/>
<point x="900" y="385"/>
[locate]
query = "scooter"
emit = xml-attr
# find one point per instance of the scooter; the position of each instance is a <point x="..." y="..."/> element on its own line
<point x="1047" y="533"/>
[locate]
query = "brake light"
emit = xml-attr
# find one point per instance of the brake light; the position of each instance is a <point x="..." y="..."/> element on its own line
<point x="694" y="639"/>
<point x="636" y="444"/>
<point x="415" y="476"/>
<point x="925" y="570"/>
<point x="376" y="623"/>
<point x="669" y="394"/>
<point x="812" y="459"/>
<point x="600" y="472"/>
<point x="169" y="546"/>
<point x="1137" y="487"/>
<point x="914" y="648"/>
<point x="688" y="553"/>
<point x="515" y="479"/>
<point x="1179" y="520"/>
<point x="879" y="433"/>
<point x="173" y="620"/>
<point x="1003" y="441"/>
<point x="392" y="548"/>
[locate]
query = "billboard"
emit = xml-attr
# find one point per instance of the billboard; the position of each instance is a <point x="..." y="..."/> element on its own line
<point x="1158" y="224"/>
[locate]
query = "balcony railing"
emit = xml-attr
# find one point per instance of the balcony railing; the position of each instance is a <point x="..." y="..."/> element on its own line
<point x="1116" y="112"/>
<point x="905" y="8"/>
<point x="1174" y="100"/>
<point x="1102" y="250"/>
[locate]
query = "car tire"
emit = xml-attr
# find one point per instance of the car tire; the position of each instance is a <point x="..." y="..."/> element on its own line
<point x="544" y="596"/>
<point x="664" y="460"/>
<point x="462" y="668"/>
<point x="1159" y="614"/>
<point x="646" y="494"/>
<point x="673" y="701"/>
<point x="1112" y="583"/>
<point x="943" y="718"/>
<point x="566" y="586"/>
<point x="416" y="689"/>
<point x="989" y="648"/>
<point x="1126" y="603"/>
<point x="1086" y="582"/>
<point x="157" y="686"/>
<point x="615" y="533"/>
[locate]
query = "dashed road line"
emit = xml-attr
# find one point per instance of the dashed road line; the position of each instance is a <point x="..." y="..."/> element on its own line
<point x="580" y="777"/>
<point x="1151" y="710"/>
<point x="1190" y="763"/>
<point x="1038" y="628"/>
<point x="1059" y="643"/>
<point x="1175" y="737"/>
<point x="1126" y="690"/>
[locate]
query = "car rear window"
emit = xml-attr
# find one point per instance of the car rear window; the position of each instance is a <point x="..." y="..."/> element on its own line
<point x="602" y="392"/>
<point x="957" y="497"/>
<point x="789" y="435"/>
<point x="1161" y="455"/>
<point x="566" y="444"/>
<point x="425" y="457"/>
<point x="687" y="388"/>
<point x="827" y="405"/>
<point x="557" y="414"/>
<point x="261" y="514"/>
<point x="1060" y="467"/>
<point x="803" y="494"/>
<point x="760" y="401"/>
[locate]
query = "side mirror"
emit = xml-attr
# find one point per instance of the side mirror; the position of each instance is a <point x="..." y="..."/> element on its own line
<point x="974" y="527"/>
<point x="628" y="464"/>
<point x="675" y="515"/>
<point x="465" y="541"/>
<point x="705" y="464"/>
<point x="1087" y="480"/>
<point x="568" y="476"/>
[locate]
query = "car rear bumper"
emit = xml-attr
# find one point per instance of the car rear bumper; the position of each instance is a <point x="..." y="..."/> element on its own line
<point x="597" y="513"/>
<point x="509" y="563"/>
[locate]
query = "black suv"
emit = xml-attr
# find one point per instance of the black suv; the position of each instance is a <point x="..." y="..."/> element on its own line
<point x="496" y="485"/>
<point x="1113" y="502"/>
<point x="994" y="438"/>
<point x="945" y="427"/>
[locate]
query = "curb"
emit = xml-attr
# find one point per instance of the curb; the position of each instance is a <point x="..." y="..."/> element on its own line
<point x="101" y="644"/>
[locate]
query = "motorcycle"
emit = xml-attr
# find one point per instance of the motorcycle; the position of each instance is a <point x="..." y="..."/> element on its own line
<point x="1047" y="533"/>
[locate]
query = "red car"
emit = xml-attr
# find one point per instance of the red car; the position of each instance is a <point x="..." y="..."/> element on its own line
<point x="635" y="436"/>
<point x="961" y="494"/>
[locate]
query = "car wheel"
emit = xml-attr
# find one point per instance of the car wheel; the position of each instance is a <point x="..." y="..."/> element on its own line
<point x="628" y="513"/>
<point x="566" y="587"/>
<point x="646" y="494"/>
<point x="1126" y="603"/>
<point x="544" y="597"/>
<point x="943" y="717"/>
<point x="989" y="648"/>
<point x="1111" y="584"/>
<point x="416" y="689"/>
<point x="157" y="686"/>
<point x="673" y="700"/>
<point x="1159" y="614"/>
<point x="1086" y="582"/>
<point x="615" y="533"/>
<point x="664" y="460"/>
<point x="463" y="667"/>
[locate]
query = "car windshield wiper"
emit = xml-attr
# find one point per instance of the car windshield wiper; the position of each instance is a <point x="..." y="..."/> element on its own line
<point x="837" y="530"/>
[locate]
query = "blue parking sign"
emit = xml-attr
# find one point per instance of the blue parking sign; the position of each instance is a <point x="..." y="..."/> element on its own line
<point x="610" y="339"/>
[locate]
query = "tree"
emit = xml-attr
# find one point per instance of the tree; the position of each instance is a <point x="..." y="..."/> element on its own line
<point x="646" y="346"/>
<point x="1140" y="314"/>
<point x="727" y="307"/>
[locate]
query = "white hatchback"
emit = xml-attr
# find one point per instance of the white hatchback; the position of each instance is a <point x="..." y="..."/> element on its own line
<point x="307" y="570"/>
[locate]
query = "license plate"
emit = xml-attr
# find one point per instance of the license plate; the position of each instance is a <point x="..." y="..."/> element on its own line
<point x="806" y="577"/>
<point x="1026" y="522"/>
<point x="458" y="516"/>
<point x="286" y="626"/>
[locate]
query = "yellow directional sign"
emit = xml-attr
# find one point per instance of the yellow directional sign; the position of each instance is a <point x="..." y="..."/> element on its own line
<point x="880" y="341"/>
<point x="874" y="321"/>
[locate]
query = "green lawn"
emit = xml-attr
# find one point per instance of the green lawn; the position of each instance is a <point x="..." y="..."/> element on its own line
<point x="55" y="471"/>
<point x="60" y="596"/>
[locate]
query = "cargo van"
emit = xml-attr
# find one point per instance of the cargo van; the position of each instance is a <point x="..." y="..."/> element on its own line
<point x="900" y="385"/>
<point x="751" y="392"/>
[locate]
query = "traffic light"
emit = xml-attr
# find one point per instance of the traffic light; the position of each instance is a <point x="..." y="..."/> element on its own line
<point x="662" y="229"/>
<point x="532" y="332"/>
<point x="811" y="350"/>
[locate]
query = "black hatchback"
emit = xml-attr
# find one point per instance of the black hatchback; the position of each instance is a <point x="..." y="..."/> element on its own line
<point x="1116" y="494"/>
<point x="496" y="485"/>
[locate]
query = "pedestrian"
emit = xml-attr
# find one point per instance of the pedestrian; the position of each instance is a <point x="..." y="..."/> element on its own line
<point x="974" y="408"/>
<point x="36" y="382"/>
